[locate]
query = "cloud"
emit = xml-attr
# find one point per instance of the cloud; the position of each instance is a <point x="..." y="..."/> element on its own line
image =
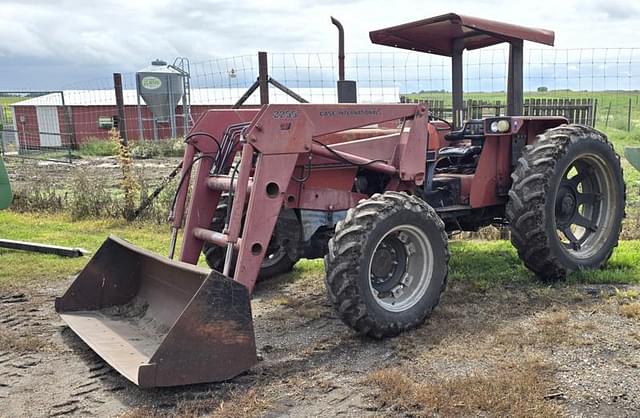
<point x="617" y="9"/>
<point x="43" y="38"/>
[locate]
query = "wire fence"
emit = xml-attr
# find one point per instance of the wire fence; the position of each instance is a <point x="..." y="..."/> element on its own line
<point x="600" y="87"/>
<point x="42" y="132"/>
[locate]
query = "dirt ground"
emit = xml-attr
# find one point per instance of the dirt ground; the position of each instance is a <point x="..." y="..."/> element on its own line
<point x="475" y="353"/>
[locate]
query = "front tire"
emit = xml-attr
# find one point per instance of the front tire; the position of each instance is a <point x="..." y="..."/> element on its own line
<point x="567" y="202"/>
<point x="387" y="264"/>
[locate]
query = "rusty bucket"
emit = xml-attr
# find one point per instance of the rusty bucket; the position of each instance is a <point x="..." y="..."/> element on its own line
<point x="160" y="322"/>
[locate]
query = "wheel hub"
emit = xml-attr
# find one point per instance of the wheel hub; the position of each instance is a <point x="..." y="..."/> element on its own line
<point x="400" y="268"/>
<point x="389" y="264"/>
<point x="578" y="204"/>
<point x="567" y="206"/>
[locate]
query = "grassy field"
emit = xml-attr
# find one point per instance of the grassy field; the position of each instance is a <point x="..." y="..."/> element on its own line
<point x="7" y="100"/>
<point x="5" y="111"/>
<point x="614" y="103"/>
<point x="482" y="264"/>
<point x="20" y="267"/>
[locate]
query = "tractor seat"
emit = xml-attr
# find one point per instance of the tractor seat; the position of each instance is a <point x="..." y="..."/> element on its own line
<point x="459" y="152"/>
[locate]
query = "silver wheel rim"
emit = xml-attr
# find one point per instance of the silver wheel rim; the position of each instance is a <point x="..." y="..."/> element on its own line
<point x="411" y="271"/>
<point x="585" y="237"/>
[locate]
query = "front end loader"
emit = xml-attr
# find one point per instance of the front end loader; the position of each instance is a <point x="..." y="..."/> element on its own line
<point x="375" y="189"/>
<point x="163" y="323"/>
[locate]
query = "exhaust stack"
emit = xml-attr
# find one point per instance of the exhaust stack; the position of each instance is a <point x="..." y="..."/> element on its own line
<point x="346" y="88"/>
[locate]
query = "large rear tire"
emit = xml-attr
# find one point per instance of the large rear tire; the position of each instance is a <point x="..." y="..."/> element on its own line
<point x="567" y="202"/>
<point x="387" y="264"/>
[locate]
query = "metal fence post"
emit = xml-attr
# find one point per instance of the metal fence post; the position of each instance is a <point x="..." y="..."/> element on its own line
<point x="117" y="86"/>
<point x="69" y="130"/>
<point x="263" y="77"/>
<point x="629" y="117"/>
<point x="139" y="110"/>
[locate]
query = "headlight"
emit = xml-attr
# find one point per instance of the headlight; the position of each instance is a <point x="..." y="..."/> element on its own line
<point x="501" y="125"/>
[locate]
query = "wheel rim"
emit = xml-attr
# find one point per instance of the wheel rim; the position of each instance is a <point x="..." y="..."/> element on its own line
<point x="400" y="268"/>
<point x="585" y="204"/>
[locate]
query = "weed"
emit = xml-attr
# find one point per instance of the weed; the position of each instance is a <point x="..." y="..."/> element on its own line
<point x="626" y="296"/>
<point x="128" y="183"/>
<point x="42" y="196"/>
<point x="230" y="404"/>
<point x="239" y="404"/>
<point x="628" y="302"/>
<point x="161" y="148"/>
<point x="82" y="196"/>
<point x="513" y="389"/>
<point x="158" y="211"/>
<point x="554" y="318"/>
<point x="491" y="233"/>
<point x="631" y="310"/>
<point x="90" y="198"/>
<point x="96" y="147"/>
<point x="549" y="329"/>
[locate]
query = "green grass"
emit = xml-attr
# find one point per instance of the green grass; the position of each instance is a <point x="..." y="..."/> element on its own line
<point x="482" y="264"/>
<point x="7" y="100"/>
<point x="489" y="263"/>
<point x="5" y="113"/>
<point x="18" y="267"/>
<point x="486" y="264"/>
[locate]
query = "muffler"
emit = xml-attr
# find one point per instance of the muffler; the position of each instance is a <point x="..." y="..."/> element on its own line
<point x="160" y="322"/>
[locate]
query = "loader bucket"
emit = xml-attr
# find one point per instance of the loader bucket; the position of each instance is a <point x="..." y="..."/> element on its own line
<point x="160" y="322"/>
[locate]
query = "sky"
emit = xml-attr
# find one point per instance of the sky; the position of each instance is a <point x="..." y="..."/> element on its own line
<point x="48" y="44"/>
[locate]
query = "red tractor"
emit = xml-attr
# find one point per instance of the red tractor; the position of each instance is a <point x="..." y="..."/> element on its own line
<point x="374" y="189"/>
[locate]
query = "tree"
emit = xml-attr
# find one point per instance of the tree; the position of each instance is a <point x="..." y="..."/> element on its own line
<point x="542" y="89"/>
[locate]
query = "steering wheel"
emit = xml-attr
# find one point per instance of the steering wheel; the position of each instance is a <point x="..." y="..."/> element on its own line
<point x="432" y="117"/>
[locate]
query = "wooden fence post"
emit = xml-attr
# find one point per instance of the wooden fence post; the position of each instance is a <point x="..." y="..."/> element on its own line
<point x="117" y="86"/>
<point x="263" y="77"/>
